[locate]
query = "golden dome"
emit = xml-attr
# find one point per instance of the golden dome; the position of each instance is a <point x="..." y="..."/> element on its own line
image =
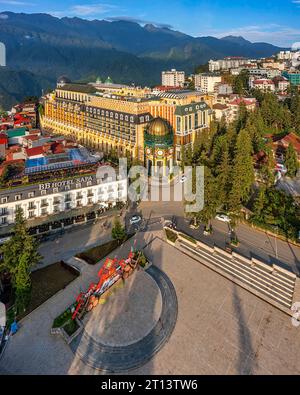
<point x="158" y="127"/>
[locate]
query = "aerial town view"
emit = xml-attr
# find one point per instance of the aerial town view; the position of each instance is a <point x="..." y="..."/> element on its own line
<point x="149" y="189"/>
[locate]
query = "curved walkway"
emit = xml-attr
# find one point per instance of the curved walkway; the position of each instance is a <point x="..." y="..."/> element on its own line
<point x="116" y="359"/>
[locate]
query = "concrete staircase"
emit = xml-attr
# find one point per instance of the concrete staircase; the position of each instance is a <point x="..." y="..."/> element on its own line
<point x="269" y="282"/>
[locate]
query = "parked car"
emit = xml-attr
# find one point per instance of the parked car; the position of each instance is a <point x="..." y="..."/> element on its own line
<point x="223" y="218"/>
<point x="135" y="219"/>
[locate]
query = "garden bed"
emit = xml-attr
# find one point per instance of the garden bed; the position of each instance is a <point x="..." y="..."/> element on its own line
<point x="96" y="254"/>
<point x="189" y="238"/>
<point x="47" y="282"/>
<point x="171" y="236"/>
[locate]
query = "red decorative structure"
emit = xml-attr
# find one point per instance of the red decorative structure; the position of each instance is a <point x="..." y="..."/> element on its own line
<point x="112" y="271"/>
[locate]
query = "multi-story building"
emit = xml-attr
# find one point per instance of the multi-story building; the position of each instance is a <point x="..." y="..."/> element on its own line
<point x="173" y="78"/>
<point x="102" y="121"/>
<point x="227" y="63"/>
<point x="230" y="109"/>
<point x="52" y="204"/>
<point x="281" y="84"/>
<point x="223" y="89"/>
<point x="264" y="73"/>
<point x="206" y="82"/>
<point x="262" y="84"/>
<point x="293" y="77"/>
<point x="116" y="122"/>
<point x="285" y="55"/>
<point x="2" y="55"/>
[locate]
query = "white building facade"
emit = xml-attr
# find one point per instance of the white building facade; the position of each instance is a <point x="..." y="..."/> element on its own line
<point x="61" y="200"/>
<point x="206" y="82"/>
<point x="173" y="78"/>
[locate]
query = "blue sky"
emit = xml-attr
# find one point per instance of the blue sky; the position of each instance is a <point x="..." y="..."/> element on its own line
<point x="274" y="21"/>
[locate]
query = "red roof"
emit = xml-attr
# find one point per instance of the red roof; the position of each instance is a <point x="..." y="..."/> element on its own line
<point x="292" y="139"/>
<point x="32" y="137"/>
<point x="57" y="148"/>
<point x="241" y="100"/>
<point x="34" y="151"/>
<point x="22" y="120"/>
<point x="3" y="138"/>
<point x="260" y="82"/>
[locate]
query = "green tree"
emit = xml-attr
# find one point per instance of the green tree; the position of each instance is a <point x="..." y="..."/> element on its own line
<point x="242" y="172"/>
<point x="210" y="199"/>
<point x="223" y="179"/>
<point x="267" y="169"/>
<point x="118" y="231"/>
<point x="240" y="84"/>
<point x="291" y="161"/>
<point x="202" y="68"/>
<point x="260" y="202"/>
<point x="20" y="254"/>
<point x="23" y="283"/>
<point x="294" y="106"/>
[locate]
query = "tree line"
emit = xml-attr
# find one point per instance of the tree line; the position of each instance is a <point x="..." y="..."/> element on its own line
<point x="227" y="153"/>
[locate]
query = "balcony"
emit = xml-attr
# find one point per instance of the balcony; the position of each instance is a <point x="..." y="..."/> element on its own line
<point x="32" y="207"/>
<point x="78" y="197"/>
<point x="44" y="204"/>
<point x="3" y="212"/>
<point x="56" y="202"/>
<point x="68" y="199"/>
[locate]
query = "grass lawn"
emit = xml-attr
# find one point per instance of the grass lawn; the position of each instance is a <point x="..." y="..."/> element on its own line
<point x="47" y="282"/>
<point x="171" y="235"/>
<point x="95" y="254"/>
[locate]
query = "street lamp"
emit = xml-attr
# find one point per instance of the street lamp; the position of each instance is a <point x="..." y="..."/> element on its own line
<point x="276" y="249"/>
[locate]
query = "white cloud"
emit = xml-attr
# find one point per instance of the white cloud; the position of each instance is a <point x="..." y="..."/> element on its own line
<point x="272" y="33"/>
<point x="16" y="2"/>
<point x="85" y="10"/>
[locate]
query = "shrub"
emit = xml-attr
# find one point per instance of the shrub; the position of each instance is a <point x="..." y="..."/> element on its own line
<point x="171" y="235"/>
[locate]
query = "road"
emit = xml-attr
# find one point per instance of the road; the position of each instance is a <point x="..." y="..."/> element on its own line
<point x="253" y="243"/>
<point x="75" y="240"/>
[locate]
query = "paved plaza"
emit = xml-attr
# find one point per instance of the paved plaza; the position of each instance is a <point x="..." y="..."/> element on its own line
<point x="220" y="328"/>
<point x="128" y="315"/>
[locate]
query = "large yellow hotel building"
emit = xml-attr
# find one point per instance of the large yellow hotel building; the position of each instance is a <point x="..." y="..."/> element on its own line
<point x="133" y="121"/>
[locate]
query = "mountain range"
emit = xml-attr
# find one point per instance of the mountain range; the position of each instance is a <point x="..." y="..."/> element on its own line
<point x="48" y="47"/>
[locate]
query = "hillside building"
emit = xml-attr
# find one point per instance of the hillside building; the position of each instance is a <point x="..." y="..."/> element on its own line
<point x="173" y="78"/>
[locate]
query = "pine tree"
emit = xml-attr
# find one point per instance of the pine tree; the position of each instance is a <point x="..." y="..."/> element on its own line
<point x="20" y="243"/>
<point x="223" y="179"/>
<point x="210" y="198"/>
<point x="291" y="161"/>
<point x="242" y="173"/>
<point x="267" y="170"/>
<point x="259" y="203"/>
<point x="118" y="231"/>
<point x="23" y="283"/>
<point x="20" y="254"/>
